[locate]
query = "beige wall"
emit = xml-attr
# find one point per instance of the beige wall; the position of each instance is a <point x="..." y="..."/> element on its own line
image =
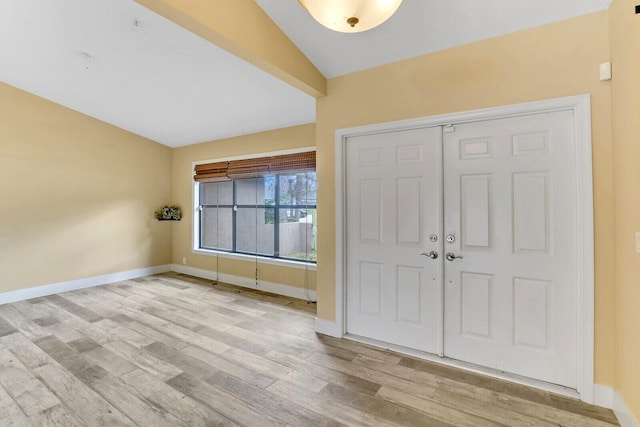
<point x="78" y="195"/>
<point x="625" y="106"/>
<point x="254" y="144"/>
<point x="555" y="60"/>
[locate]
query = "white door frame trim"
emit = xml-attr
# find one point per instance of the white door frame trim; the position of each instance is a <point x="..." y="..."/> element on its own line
<point x="580" y="105"/>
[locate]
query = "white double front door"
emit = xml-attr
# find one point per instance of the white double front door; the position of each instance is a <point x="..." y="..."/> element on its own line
<point x="461" y="241"/>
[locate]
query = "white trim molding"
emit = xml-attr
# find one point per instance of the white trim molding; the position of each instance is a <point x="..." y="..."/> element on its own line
<point x="326" y="327"/>
<point x="622" y="411"/>
<point x="195" y="229"/>
<point x="608" y="397"/>
<point x="247" y="282"/>
<point x="603" y="396"/>
<point x="72" y="285"/>
<point x="580" y="105"/>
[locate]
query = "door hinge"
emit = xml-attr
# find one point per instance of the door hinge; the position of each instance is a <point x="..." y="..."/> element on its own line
<point x="448" y="128"/>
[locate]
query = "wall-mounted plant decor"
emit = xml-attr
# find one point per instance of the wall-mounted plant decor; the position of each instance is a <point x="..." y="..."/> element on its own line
<point x="168" y="213"/>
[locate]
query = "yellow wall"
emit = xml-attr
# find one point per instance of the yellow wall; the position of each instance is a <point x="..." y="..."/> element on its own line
<point x="625" y="106"/>
<point x="555" y="60"/>
<point x="254" y="144"/>
<point x="78" y="195"/>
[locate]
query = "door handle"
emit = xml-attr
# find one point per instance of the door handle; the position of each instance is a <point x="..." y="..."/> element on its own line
<point x="450" y="256"/>
<point x="432" y="254"/>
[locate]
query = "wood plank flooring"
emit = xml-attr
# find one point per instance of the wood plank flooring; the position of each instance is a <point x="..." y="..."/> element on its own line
<point x="173" y="350"/>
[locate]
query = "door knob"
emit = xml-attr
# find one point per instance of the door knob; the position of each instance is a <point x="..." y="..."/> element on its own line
<point x="432" y="254"/>
<point x="450" y="256"/>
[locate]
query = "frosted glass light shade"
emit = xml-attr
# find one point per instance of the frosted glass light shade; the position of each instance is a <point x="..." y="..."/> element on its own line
<point x="338" y="15"/>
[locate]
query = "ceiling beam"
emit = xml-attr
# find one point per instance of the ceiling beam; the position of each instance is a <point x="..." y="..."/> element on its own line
<point x="243" y="29"/>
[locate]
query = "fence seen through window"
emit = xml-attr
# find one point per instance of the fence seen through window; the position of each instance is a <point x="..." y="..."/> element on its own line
<point x="272" y="216"/>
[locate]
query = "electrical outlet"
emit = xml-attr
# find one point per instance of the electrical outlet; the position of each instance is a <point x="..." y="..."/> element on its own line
<point x="605" y="71"/>
<point x="184" y="260"/>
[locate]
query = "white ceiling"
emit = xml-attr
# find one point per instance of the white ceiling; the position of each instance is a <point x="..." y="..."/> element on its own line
<point x="123" y="64"/>
<point x="155" y="79"/>
<point x="417" y="28"/>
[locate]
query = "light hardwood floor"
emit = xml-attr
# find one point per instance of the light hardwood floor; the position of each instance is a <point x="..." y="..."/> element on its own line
<point x="172" y="350"/>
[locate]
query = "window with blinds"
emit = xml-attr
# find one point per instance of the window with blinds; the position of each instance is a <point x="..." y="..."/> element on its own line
<point x="264" y="206"/>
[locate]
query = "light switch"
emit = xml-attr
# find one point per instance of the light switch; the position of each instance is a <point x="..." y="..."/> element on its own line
<point x="638" y="242"/>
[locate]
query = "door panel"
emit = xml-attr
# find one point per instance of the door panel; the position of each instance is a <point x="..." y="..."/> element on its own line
<point x="475" y="193"/>
<point x="371" y="275"/>
<point x="409" y="209"/>
<point x="510" y="302"/>
<point x="394" y="193"/>
<point x="475" y="305"/>
<point x="371" y="211"/>
<point x="531" y="313"/>
<point x="531" y="212"/>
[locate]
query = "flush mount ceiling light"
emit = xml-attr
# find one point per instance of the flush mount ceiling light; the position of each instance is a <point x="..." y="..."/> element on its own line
<point x="351" y="16"/>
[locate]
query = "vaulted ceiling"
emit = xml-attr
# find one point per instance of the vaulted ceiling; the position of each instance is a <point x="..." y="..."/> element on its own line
<point x="127" y="65"/>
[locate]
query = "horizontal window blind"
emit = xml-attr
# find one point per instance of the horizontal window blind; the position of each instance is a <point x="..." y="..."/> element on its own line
<point x="212" y="172"/>
<point x="291" y="163"/>
<point x="256" y="167"/>
<point x="248" y="168"/>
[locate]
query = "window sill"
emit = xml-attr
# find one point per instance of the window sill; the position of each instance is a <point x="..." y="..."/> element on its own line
<point x="261" y="260"/>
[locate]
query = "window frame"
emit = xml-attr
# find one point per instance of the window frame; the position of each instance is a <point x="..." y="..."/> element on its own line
<point x="275" y="259"/>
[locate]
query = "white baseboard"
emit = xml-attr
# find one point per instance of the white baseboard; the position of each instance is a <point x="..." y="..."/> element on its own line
<point x="72" y="285"/>
<point x="622" y="411"/>
<point x="247" y="282"/>
<point x="603" y="396"/>
<point x="608" y="397"/>
<point x="326" y="327"/>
